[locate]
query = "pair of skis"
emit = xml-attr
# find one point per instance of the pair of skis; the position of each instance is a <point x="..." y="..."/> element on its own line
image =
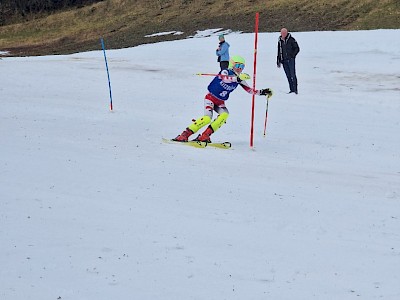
<point x="200" y="144"/>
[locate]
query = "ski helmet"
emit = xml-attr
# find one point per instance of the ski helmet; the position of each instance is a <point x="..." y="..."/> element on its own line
<point x="236" y="59"/>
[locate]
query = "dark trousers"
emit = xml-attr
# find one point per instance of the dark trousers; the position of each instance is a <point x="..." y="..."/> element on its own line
<point x="289" y="65"/>
<point x="224" y="65"/>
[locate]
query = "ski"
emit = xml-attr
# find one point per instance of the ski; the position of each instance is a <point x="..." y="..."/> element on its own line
<point x="199" y="144"/>
<point x="220" y="145"/>
<point x="196" y="144"/>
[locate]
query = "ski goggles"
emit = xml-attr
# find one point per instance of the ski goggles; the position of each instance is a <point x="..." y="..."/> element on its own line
<point x="238" y="66"/>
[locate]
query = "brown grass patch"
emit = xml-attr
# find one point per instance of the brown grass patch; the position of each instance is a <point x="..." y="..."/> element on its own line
<point x="125" y="23"/>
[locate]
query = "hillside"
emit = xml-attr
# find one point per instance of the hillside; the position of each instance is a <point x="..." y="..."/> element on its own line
<point x="125" y="23"/>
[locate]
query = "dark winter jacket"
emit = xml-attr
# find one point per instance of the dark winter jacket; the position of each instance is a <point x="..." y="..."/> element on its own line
<point x="287" y="48"/>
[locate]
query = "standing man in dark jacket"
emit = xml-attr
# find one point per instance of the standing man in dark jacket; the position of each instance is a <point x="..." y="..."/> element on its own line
<point x="287" y="52"/>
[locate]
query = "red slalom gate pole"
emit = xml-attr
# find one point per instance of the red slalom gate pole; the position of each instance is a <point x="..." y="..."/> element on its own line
<point x="254" y="81"/>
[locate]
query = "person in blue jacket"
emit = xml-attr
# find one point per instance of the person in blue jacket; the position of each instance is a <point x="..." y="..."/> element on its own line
<point x="223" y="52"/>
<point x="219" y="90"/>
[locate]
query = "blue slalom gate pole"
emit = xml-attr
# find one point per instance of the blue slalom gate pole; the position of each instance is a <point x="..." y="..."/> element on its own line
<point x="108" y="73"/>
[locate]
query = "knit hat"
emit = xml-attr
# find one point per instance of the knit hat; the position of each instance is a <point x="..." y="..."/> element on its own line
<point x="221" y="36"/>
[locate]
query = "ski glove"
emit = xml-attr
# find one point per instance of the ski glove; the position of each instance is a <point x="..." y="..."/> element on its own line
<point x="266" y="92"/>
<point x="242" y="76"/>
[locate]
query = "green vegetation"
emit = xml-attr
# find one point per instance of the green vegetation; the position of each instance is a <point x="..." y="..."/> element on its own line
<point x="124" y="23"/>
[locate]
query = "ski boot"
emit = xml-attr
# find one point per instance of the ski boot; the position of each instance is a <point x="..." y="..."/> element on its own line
<point x="184" y="136"/>
<point x="205" y="136"/>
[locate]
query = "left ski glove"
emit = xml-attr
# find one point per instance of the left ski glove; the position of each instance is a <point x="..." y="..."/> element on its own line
<point x="266" y="92"/>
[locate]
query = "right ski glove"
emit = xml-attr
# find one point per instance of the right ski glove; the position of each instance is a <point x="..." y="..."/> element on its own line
<point x="244" y="76"/>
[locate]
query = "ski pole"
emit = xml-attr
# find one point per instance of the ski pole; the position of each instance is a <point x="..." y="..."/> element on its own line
<point x="242" y="76"/>
<point x="108" y="73"/>
<point x="266" y="117"/>
<point x="207" y="74"/>
<point x="219" y="75"/>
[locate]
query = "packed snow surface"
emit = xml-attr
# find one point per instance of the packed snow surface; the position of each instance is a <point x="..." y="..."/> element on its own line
<point x="94" y="206"/>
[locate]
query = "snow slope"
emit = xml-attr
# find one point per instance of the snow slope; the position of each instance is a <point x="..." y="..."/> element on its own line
<point x="94" y="206"/>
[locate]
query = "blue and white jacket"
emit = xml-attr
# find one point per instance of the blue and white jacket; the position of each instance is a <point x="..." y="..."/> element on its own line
<point x="225" y="83"/>
<point x="224" y="52"/>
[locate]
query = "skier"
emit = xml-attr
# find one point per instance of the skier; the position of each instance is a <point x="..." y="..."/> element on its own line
<point x="218" y="92"/>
